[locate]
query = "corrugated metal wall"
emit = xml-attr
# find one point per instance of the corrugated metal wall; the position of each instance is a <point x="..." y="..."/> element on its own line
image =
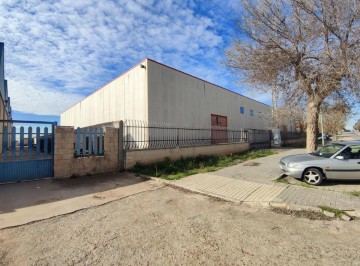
<point x="158" y="93"/>
<point x="123" y="98"/>
<point x="179" y="98"/>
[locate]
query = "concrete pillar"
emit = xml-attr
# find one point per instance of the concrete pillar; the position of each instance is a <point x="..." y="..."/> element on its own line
<point x="121" y="147"/>
<point x="63" y="151"/>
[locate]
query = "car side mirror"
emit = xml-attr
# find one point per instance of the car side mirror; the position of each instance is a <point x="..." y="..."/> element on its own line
<point x="340" y="157"/>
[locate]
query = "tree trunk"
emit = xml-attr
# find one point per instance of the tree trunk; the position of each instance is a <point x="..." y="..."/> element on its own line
<point x="312" y="109"/>
<point x="334" y="136"/>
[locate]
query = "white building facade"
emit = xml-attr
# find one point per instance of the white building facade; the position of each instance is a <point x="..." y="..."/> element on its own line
<point x="153" y="92"/>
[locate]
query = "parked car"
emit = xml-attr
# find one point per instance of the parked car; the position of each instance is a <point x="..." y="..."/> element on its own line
<point x="326" y="137"/>
<point x="336" y="160"/>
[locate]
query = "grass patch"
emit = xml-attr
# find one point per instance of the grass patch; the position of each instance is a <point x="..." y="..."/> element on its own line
<point x="173" y="170"/>
<point x="337" y="212"/>
<point x="305" y="185"/>
<point x="312" y="215"/>
<point x="293" y="182"/>
<point x="282" y="180"/>
<point x="354" y="193"/>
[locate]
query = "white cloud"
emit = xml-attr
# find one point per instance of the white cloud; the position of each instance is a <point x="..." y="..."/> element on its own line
<point x="61" y="50"/>
<point x="40" y="99"/>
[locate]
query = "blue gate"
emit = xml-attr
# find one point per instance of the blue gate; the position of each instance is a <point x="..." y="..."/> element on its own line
<point x="26" y="150"/>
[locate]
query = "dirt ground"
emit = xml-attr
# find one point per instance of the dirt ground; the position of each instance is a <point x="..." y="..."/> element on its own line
<point x="168" y="226"/>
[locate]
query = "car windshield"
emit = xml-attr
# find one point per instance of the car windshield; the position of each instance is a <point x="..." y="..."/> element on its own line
<point x="328" y="150"/>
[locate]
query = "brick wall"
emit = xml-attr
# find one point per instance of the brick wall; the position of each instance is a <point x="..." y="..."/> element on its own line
<point x="155" y="155"/>
<point x="65" y="165"/>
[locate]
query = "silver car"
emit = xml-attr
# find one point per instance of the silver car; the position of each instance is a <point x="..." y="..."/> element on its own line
<point x="337" y="160"/>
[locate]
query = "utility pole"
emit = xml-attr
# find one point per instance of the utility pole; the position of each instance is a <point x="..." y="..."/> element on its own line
<point x="274" y="101"/>
<point x="322" y="129"/>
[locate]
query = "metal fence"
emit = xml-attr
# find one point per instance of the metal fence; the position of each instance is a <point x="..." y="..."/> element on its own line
<point x="292" y="135"/>
<point x="260" y="138"/>
<point x="89" y="142"/>
<point x="148" y="135"/>
<point x="26" y="150"/>
<point x="25" y="140"/>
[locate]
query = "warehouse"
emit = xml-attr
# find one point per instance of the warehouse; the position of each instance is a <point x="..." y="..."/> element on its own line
<point x="151" y="91"/>
<point x="5" y="109"/>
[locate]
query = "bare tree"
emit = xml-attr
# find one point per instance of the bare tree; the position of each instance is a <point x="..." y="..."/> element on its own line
<point x="334" y="117"/>
<point x="308" y="49"/>
<point x="287" y="114"/>
<point x="357" y="125"/>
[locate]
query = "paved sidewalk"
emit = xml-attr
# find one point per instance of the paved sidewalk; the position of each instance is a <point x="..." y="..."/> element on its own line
<point x="253" y="182"/>
<point x="295" y="195"/>
<point x="231" y="189"/>
<point x="262" y="170"/>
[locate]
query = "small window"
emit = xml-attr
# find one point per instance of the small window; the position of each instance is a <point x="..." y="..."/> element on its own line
<point x="251" y="112"/>
<point x="242" y="110"/>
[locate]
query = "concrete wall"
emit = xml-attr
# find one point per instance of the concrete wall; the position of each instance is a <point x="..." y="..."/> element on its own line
<point x="179" y="98"/>
<point x="123" y="98"/>
<point x="65" y="165"/>
<point x="155" y="155"/>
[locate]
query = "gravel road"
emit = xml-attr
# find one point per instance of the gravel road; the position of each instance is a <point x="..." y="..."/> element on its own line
<point x="168" y="226"/>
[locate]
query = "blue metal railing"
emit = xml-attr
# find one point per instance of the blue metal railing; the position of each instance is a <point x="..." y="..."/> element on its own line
<point x="27" y="150"/>
<point x="23" y="143"/>
<point x="89" y="142"/>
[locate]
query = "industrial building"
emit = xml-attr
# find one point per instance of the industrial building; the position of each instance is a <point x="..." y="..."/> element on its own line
<point x="154" y="92"/>
<point x="5" y="109"/>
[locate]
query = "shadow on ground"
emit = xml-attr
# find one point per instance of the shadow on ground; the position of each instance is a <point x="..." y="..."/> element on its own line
<point x="25" y="194"/>
<point x="335" y="185"/>
<point x="348" y="185"/>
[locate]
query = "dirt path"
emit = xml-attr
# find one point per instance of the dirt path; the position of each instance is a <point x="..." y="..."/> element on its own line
<point x="167" y="226"/>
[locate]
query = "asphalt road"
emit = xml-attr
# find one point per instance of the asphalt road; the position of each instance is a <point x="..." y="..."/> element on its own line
<point x="348" y="136"/>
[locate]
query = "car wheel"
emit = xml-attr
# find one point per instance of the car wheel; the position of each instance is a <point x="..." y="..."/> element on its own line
<point x="313" y="176"/>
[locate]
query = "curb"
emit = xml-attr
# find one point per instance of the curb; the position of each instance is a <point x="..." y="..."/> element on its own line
<point x="277" y="203"/>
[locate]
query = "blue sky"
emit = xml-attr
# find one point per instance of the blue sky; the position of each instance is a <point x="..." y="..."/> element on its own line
<point x="59" y="51"/>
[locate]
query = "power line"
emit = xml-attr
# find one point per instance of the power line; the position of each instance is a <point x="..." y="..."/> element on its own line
<point x="221" y="9"/>
<point x="225" y="17"/>
<point x="191" y="13"/>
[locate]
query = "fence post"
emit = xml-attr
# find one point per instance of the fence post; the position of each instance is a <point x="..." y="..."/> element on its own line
<point x="121" y="150"/>
<point x="270" y="138"/>
<point x="177" y="137"/>
<point x="5" y="142"/>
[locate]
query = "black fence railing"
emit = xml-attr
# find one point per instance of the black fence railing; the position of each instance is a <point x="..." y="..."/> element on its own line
<point x="146" y="135"/>
<point x="260" y="138"/>
<point x="292" y="135"/>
